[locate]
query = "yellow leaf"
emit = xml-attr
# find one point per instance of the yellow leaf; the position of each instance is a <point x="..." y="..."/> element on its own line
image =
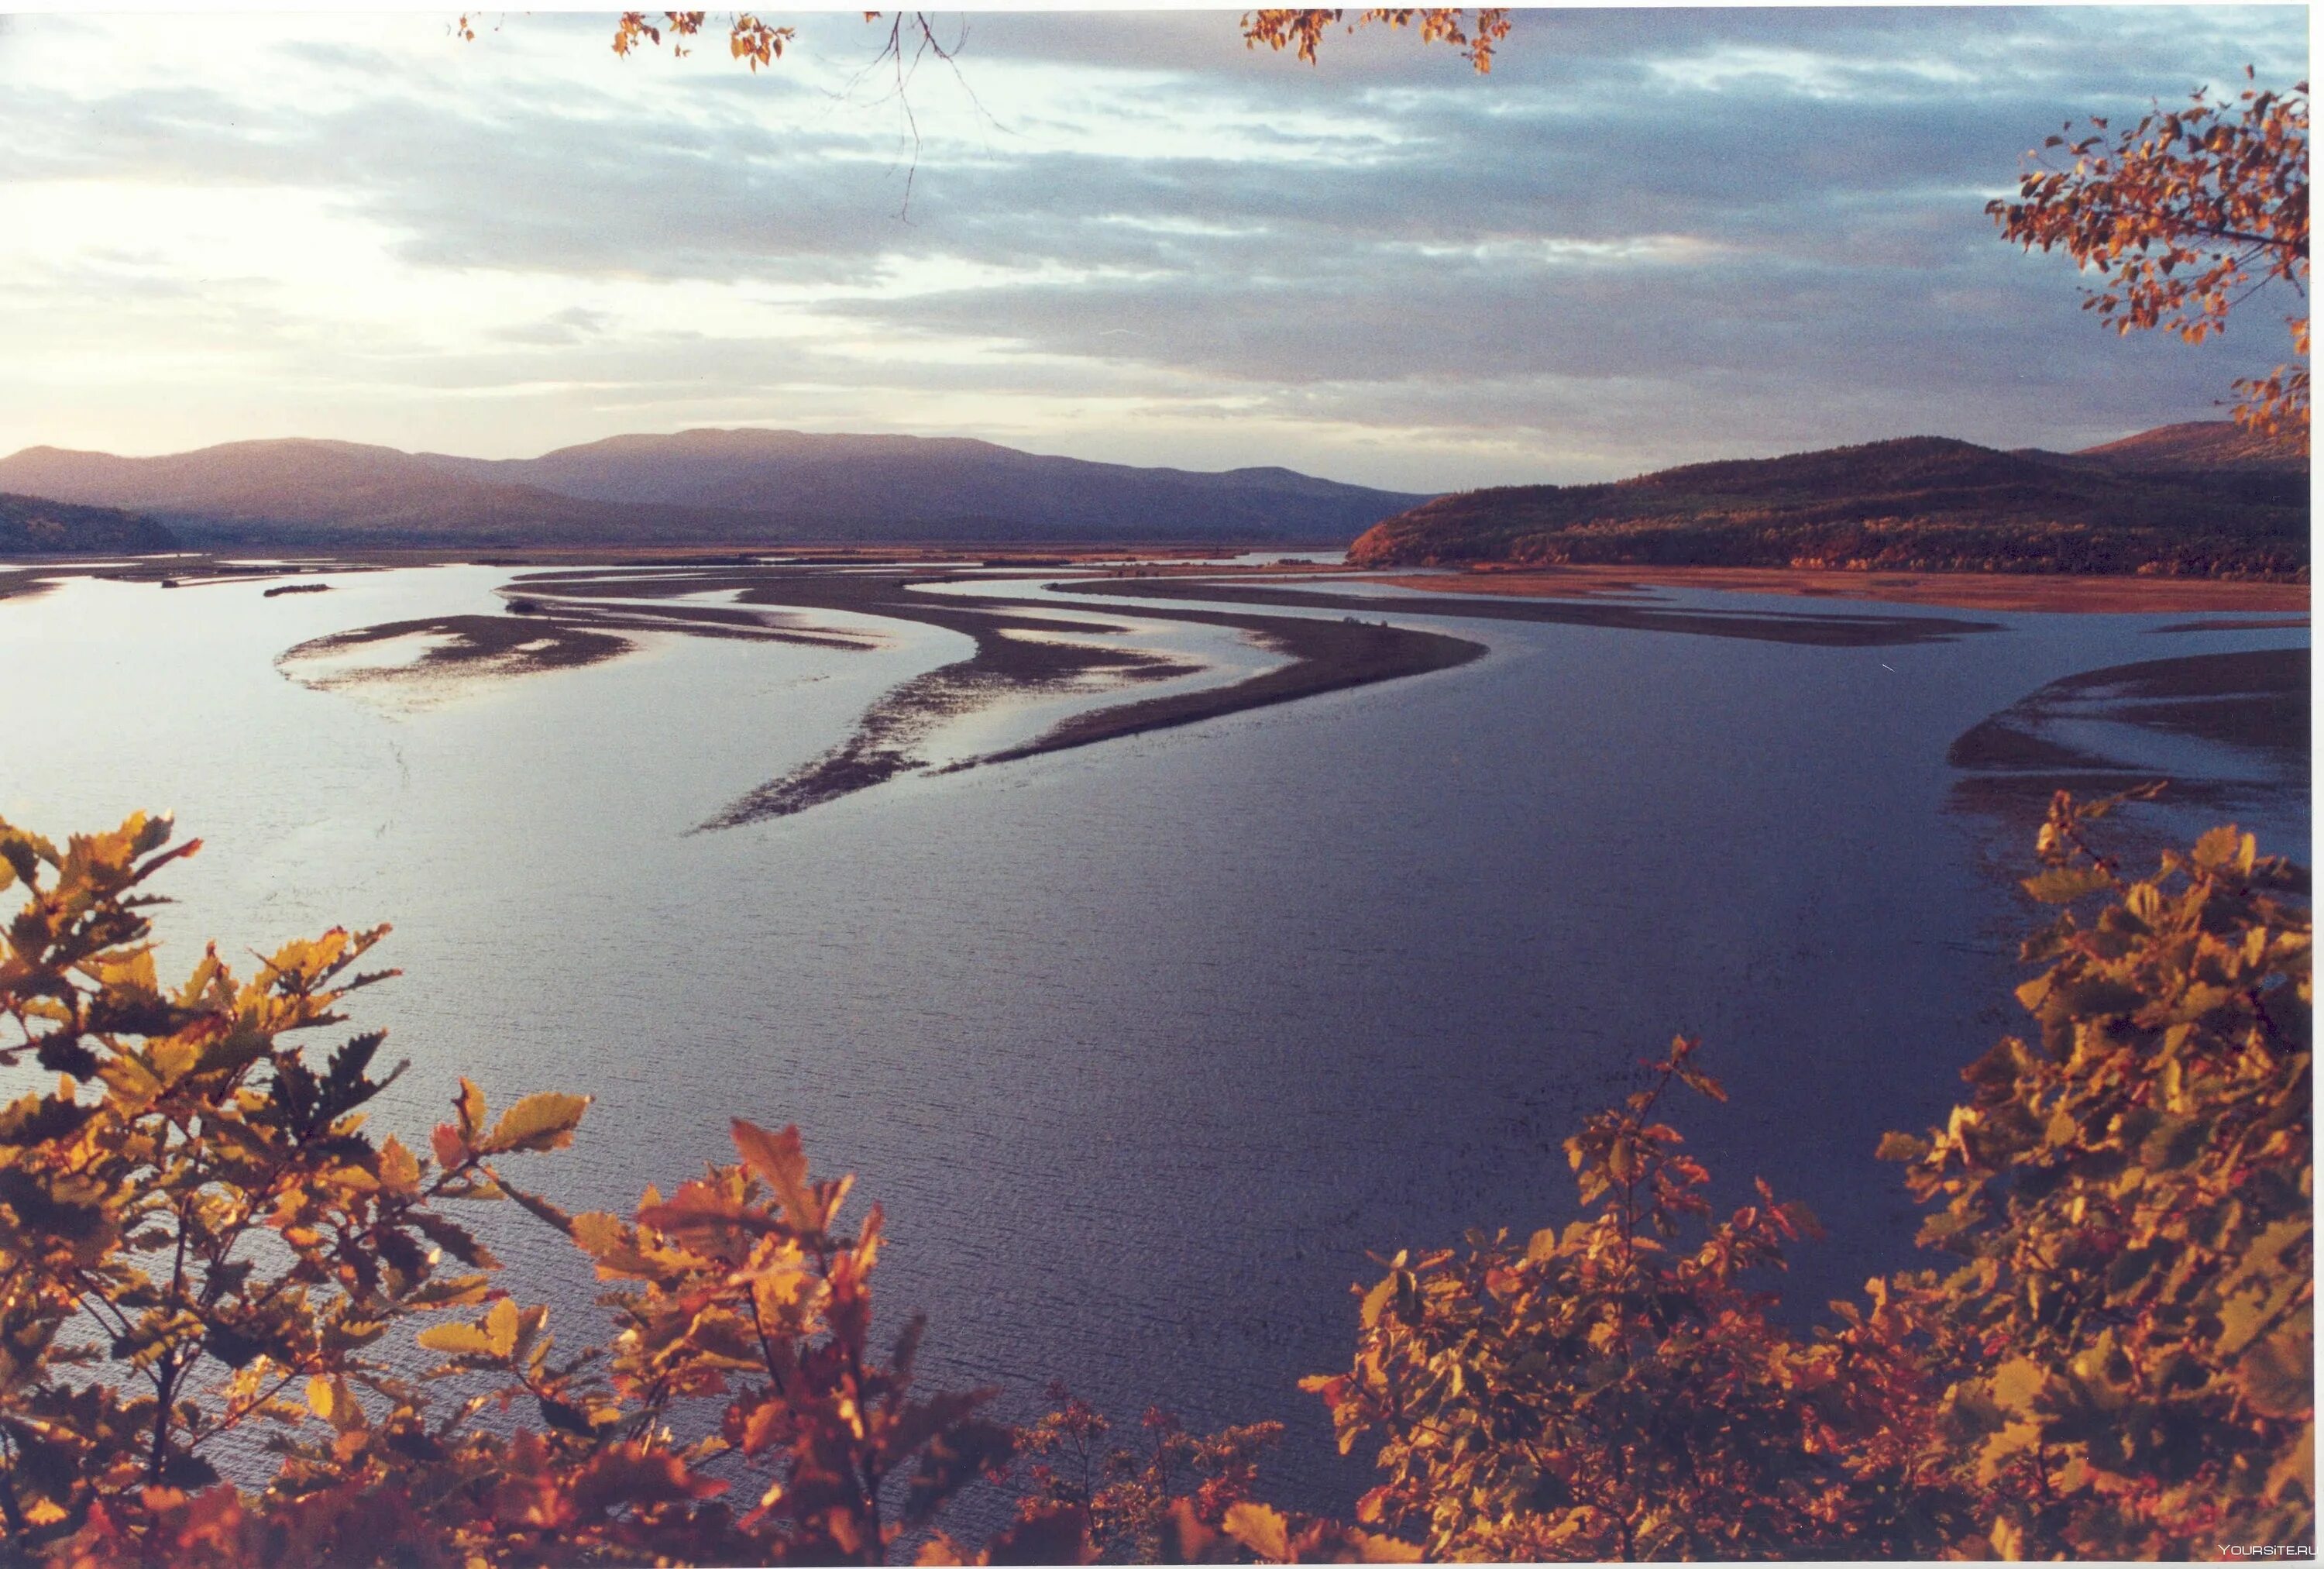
<point x="1260" y="1529"/>
<point x="542" y="1121"/>
<point x="2217" y="847"/>
<point x="456" y="1340"/>
<point x="501" y="1324"/>
<point x="319" y="1397"/>
<point x="2015" y="1384"/>
<point x="1622" y="1160"/>
<point x="780" y="1160"/>
<point x="470" y="1105"/>
<point x="1995" y="1452"/>
<point x="399" y="1168"/>
<point x="1378" y="1549"/>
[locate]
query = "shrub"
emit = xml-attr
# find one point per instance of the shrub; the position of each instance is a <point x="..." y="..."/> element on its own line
<point x="2121" y="1366"/>
<point x="1610" y="1392"/>
<point x="213" y="1251"/>
<point x="2134" y="1193"/>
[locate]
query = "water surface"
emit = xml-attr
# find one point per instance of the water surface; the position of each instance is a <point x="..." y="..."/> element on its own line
<point x="1145" y="1045"/>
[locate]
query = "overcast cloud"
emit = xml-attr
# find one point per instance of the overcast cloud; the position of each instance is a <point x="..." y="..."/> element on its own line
<point x="1647" y="237"/>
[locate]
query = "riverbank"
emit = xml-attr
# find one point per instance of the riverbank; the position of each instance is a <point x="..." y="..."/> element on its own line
<point x="2090" y="595"/>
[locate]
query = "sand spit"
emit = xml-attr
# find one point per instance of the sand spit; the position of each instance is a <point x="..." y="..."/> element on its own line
<point x="436" y="648"/>
<point x="2250" y="700"/>
<point x="15" y="585"/>
<point x="1021" y="650"/>
<point x="1325" y="656"/>
<point x="2263" y="624"/>
<point x="577" y="608"/>
<point x="1017" y="653"/>
<point x="2113" y="729"/>
<point x="890" y="739"/>
<point x="1824" y="629"/>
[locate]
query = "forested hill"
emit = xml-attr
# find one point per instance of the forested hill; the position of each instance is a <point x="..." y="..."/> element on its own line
<point x="33" y="525"/>
<point x="2201" y="500"/>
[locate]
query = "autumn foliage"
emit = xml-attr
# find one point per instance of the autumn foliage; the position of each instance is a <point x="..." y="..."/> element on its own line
<point x="238" y="1327"/>
<point x="2131" y="1372"/>
<point x="210" y="1266"/>
<point x="1615" y="1389"/>
<point x="2184" y="214"/>
<point x="1475" y="34"/>
<point x="2118" y="1365"/>
<point x="748" y="39"/>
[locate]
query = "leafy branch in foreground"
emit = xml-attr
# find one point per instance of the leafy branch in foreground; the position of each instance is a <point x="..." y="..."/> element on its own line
<point x="2185" y="215"/>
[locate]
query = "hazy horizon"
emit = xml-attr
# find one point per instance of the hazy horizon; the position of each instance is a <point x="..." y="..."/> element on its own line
<point x="908" y="435"/>
<point x="1648" y="238"/>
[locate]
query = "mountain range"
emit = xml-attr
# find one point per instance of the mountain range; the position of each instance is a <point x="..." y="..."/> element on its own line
<point x="2203" y="499"/>
<point x="746" y="487"/>
<point x="2196" y="500"/>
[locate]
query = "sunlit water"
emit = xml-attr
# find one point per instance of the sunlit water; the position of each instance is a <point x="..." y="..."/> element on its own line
<point x="1144" y="1045"/>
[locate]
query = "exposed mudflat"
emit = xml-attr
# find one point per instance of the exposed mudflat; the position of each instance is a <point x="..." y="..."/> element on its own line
<point x="446" y="647"/>
<point x="2256" y="700"/>
<point x="19" y="583"/>
<point x="1832" y="630"/>
<point x="890" y="739"/>
<point x="2261" y="624"/>
<point x="1080" y="639"/>
<point x="1325" y="656"/>
<point x="1958" y="590"/>
<point x="2225" y="732"/>
<point x="1018" y="652"/>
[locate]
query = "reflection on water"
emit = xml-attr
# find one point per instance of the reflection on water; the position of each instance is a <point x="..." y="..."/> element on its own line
<point x="1145" y="1044"/>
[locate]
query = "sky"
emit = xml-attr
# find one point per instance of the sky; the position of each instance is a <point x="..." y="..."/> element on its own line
<point x="1648" y="236"/>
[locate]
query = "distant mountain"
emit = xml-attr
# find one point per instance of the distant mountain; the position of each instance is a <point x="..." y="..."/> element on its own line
<point x="701" y="486"/>
<point x="33" y="525"/>
<point x="2193" y="500"/>
<point x="935" y="481"/>
<point x="309" y="493"/>
<point x="2201" y="444"/>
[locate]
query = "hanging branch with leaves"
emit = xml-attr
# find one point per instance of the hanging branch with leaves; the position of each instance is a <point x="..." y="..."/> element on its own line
<point x="1303" y="31"/>
<point x="2185" y="215"/>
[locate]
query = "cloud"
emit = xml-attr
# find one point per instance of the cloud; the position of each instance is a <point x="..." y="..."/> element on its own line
<point x="1649" y="236"/>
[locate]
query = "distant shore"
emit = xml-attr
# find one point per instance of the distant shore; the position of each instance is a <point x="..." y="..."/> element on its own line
<point x="1955" y="590"/>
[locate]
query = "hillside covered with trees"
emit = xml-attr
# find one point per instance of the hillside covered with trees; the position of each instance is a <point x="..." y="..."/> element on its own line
<point x="33" y="525"/>
<point x="2202" y="500"/>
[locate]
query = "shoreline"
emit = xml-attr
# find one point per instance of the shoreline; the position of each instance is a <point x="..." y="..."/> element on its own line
<point x="2004" y="591"/>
